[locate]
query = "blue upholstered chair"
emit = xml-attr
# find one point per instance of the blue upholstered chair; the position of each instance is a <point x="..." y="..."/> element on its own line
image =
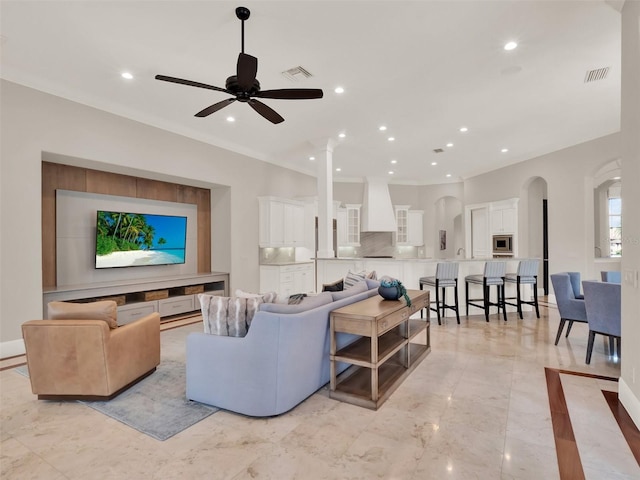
<point x="611" y="276"/>
<point x="446" y="276"/>
<point x="494" y="273"/>
<point x="574" y="277"/>
<point x="603" y="304"/>
<point x="571" y="309"/>
<point x="527" y="274"/>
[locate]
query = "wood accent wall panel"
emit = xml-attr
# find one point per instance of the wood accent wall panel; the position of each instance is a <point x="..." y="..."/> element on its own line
<point x="204" y="230"/>
<point x="106" y="183"/>
<point x="57" y="176"/>
<point x="156" y="190"/>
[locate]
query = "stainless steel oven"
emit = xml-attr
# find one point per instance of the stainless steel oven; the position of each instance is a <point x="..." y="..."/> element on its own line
<point x="503" y="244"/>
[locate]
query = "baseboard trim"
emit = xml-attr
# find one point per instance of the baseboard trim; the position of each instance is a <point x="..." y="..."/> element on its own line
<point x="630" y="402"/>
<point x="13" y="348"/>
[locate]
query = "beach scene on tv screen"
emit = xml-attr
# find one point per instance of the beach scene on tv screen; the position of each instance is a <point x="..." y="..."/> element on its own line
<point x="134" y="239"/>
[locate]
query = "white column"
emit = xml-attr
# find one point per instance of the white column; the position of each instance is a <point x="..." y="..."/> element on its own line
<point x="324" y="158"/>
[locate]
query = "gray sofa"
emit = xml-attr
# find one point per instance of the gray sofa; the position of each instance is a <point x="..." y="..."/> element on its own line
<point x="283" y="359"/>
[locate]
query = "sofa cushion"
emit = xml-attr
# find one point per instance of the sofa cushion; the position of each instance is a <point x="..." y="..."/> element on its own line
<point x="214" y="314"/>
<point x="268" y="297"/>
<point x="336" y="286"/>
<point x="353" y="277"/>
<point x="308" y="303"/>
<point x="237" y="316"/>
<point x="372" y="283"/>
<point x="106" y="310"/>
<point x="357" y="288"/>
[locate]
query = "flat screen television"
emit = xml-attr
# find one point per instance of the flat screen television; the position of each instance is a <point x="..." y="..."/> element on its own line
<point x="137" y="239"/>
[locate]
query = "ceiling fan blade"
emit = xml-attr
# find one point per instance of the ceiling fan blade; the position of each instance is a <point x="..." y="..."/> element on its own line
<point x="191" y="83"/>
<point x="215" y="107"/>
<point x="247" y="70"/>
<point x="291" y="94"/>
<point x="266" y="111"/>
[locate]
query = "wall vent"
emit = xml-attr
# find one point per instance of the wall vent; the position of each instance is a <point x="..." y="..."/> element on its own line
<point x="438" y="150"/>
<point x="296" y="74"/>
<point x="597" y="74"/>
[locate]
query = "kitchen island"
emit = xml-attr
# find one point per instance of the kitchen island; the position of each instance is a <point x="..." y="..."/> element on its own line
<point x="409" y="271"/>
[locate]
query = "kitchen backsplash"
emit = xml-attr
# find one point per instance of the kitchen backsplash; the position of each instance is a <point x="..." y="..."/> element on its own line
<point x="277" y="255"/>
<point x="379" y="244"/>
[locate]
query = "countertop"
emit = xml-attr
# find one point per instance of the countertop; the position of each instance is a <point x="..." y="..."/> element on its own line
<point x="284" y="264"/>
<point x="426" y="260"/>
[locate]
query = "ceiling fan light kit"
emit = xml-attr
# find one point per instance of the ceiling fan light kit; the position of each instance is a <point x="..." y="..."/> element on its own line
<point x="245" y="87"/>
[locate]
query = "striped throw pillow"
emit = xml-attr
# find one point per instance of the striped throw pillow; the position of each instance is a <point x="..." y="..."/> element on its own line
<point x="353" y="277"/>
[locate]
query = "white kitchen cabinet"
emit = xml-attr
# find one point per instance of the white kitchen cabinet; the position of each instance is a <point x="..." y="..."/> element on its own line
<point x="409" y="230"/>
<point x="504" y="220"/>
<point x="348" y="224"/>
<point x="281" y="222"/>
<point x="287" y="279"/>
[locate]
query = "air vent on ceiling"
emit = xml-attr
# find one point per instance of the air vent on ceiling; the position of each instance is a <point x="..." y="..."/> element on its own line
<point x="438" y="150"/>
<point x="296" y="74"/>
<point x="595" y="75"/>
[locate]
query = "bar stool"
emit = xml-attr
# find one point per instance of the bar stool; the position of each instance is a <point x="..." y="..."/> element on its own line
<point x="527" y="274"/>
<point x="446" y="276"/>
<point x="494" y="273"/>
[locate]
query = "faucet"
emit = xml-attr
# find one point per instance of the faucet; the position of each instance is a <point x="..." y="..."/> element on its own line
<point x="460" y="250"/>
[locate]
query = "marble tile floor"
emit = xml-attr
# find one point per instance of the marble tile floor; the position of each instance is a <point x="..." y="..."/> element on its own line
<point x="476" y="408"/>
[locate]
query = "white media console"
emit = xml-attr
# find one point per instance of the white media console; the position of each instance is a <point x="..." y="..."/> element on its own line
<point x="136" y="297"/>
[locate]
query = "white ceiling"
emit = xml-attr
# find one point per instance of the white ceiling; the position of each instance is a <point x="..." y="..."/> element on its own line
<point x="422" y="68"/>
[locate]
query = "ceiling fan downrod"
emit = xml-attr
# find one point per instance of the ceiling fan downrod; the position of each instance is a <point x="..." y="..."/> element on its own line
<point x="243" y="14"/>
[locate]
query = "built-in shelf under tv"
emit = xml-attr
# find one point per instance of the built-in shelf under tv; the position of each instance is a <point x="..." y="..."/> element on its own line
<point x="126" y="239"/>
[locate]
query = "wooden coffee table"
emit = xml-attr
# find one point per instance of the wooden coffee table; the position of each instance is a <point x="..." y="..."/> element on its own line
<point x="385" y="355"/>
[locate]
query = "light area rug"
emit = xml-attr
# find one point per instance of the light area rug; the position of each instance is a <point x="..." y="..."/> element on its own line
<point x="156" y="406"/>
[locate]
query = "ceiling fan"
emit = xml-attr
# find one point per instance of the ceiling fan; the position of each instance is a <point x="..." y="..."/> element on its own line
<point x="245" y="87"/>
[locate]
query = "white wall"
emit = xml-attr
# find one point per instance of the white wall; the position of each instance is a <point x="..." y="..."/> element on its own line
<point x="568" y="174"/>
<point x="629" y="390"/>
<point x="36" y="124"/>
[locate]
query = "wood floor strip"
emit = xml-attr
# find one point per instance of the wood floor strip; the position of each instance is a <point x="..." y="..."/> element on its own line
<point x="629" y="429"/>
<point x="569" y="463"/>
<point x="9" y="367"/>
<point x="588" y="375"/>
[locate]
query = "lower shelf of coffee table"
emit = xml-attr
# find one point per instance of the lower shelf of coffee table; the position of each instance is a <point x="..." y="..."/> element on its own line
<point x="354" y="384"/>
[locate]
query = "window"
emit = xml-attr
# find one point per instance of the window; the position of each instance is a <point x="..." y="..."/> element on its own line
<point x="614" y="210"/>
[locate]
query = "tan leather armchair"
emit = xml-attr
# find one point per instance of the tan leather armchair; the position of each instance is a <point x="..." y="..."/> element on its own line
<point x="81" y="353"/>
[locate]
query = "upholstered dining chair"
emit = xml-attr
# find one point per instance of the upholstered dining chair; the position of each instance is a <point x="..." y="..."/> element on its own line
<point x="80" y="352"/>
<point x="571" y="309"/>
<point x="446" y="277"/>
<point x="611" y="276"/>
<point x="603" y="305"/>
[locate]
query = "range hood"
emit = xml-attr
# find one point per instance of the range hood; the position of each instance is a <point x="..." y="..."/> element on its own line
<point x="377" y="211"/>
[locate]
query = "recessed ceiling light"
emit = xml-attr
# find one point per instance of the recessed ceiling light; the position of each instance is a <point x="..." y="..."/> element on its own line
<point x="126" y="75"/>
<point x="448" y="175"/>
<point x="449" y="144"/>
<point x="312" y="158"/>
<point x="338" y="169"/>
<point x="616" y="178"/>
<point x="510" y="45"/>
<point x="390" y="172"/>
<point x="504" y="150"/>
<point x="342" y="135"/>
<point x="394" y="161"/>
<point x="382" y="128"/>
<point x="231" y="119"/>
<point x="339" y="90"/>
<point x="434" y="163"/>
<point x="391" y="139"/>
<point x="464" y="129"/>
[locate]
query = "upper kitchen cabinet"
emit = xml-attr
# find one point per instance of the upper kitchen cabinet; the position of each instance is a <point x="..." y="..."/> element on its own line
<point x="409" y="230"/>
<point x="281" y="222"/>
<point x="348" y="225"/>
<point x="504" y="216"/>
